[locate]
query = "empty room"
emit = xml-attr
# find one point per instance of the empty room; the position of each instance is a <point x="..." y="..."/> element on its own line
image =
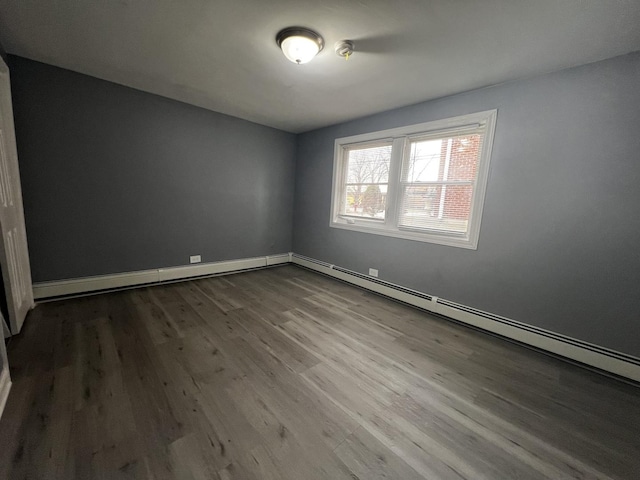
<point x="320" y="240"/>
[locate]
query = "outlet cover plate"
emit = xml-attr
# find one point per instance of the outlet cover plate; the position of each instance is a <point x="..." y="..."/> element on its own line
<point x="373" y="272"/>
<point x="195" y="259"/>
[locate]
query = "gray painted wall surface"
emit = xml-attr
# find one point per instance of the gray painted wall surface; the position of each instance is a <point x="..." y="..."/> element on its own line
<point x="559" y="244"/>
<point x="116" y="180"/>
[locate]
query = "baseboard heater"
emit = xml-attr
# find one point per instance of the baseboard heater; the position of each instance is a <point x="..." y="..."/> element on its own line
<point x="85" y="285"/>
<point x="607" y="360"/>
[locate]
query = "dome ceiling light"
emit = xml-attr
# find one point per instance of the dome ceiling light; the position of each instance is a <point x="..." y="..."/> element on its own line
<point x="299" y="44"/>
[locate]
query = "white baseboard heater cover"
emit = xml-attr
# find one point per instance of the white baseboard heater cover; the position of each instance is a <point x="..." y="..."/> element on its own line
<point x="76" y="286"/>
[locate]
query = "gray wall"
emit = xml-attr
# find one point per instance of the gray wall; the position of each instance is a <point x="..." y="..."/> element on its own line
<point x="116" y="180"/>
<point x="559" y="244"/>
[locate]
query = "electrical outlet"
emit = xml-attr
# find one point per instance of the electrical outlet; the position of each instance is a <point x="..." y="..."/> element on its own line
<point x="373" y="272"/>
<point x="195" y="259"/>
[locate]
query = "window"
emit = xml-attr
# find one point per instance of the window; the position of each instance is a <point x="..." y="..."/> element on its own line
<point x="367" y="180"/>
<point x="423" y="182"/>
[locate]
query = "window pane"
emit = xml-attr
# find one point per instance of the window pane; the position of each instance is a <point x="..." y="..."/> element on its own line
<point x="367" y="177"/>
<point x="369" y="165"/>
<point x="436" y="207"/>
<point x="450" y="158"/>
<point x="425" y="161"/>
<point x="368" y="201"/>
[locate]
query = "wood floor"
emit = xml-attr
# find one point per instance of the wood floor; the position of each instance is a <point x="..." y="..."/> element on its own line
<point x="286" y="374"/>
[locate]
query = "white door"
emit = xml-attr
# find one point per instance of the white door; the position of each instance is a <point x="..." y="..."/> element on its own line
<point x="14" y="254"/>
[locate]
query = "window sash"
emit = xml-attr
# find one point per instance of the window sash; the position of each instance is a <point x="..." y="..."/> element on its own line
<point x="345" y="184"/>
<point x="405" y="204"/>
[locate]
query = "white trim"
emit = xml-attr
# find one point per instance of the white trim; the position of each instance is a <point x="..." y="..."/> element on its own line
<point x="448" y="125"/>
<point x="5" y="387"/>
<point x="91" y="284"/>
<point x="602" y="358"/>
<point x="176" y="273"/>
<point x="279" y="259"/>
<point x="128" y="279"/>
<point x="398" y="137"/>
<point x="451" y="241"/>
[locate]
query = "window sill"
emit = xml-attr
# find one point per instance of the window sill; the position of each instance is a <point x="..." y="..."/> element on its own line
<point x="468" y="241"/>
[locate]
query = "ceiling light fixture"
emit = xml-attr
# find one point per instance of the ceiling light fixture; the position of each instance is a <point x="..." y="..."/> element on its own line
<point x="299" y="44"/>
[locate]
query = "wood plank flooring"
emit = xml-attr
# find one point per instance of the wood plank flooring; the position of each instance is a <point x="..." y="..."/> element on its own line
<point x="286" y="374"/>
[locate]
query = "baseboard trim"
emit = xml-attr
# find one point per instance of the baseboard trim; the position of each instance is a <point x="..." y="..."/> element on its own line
<point x="76" y="286"/>
<point x="586" y="353"/>
<point x="5" y="388"/>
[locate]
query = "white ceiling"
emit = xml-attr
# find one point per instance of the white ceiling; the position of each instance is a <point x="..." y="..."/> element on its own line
<point x="222" y="55"/>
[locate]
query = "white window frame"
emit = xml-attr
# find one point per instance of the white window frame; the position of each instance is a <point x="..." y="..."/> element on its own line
<point x="401" y="138"/>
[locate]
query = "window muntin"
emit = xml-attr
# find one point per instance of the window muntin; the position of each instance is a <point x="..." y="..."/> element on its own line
<point x="423" y="182"/>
